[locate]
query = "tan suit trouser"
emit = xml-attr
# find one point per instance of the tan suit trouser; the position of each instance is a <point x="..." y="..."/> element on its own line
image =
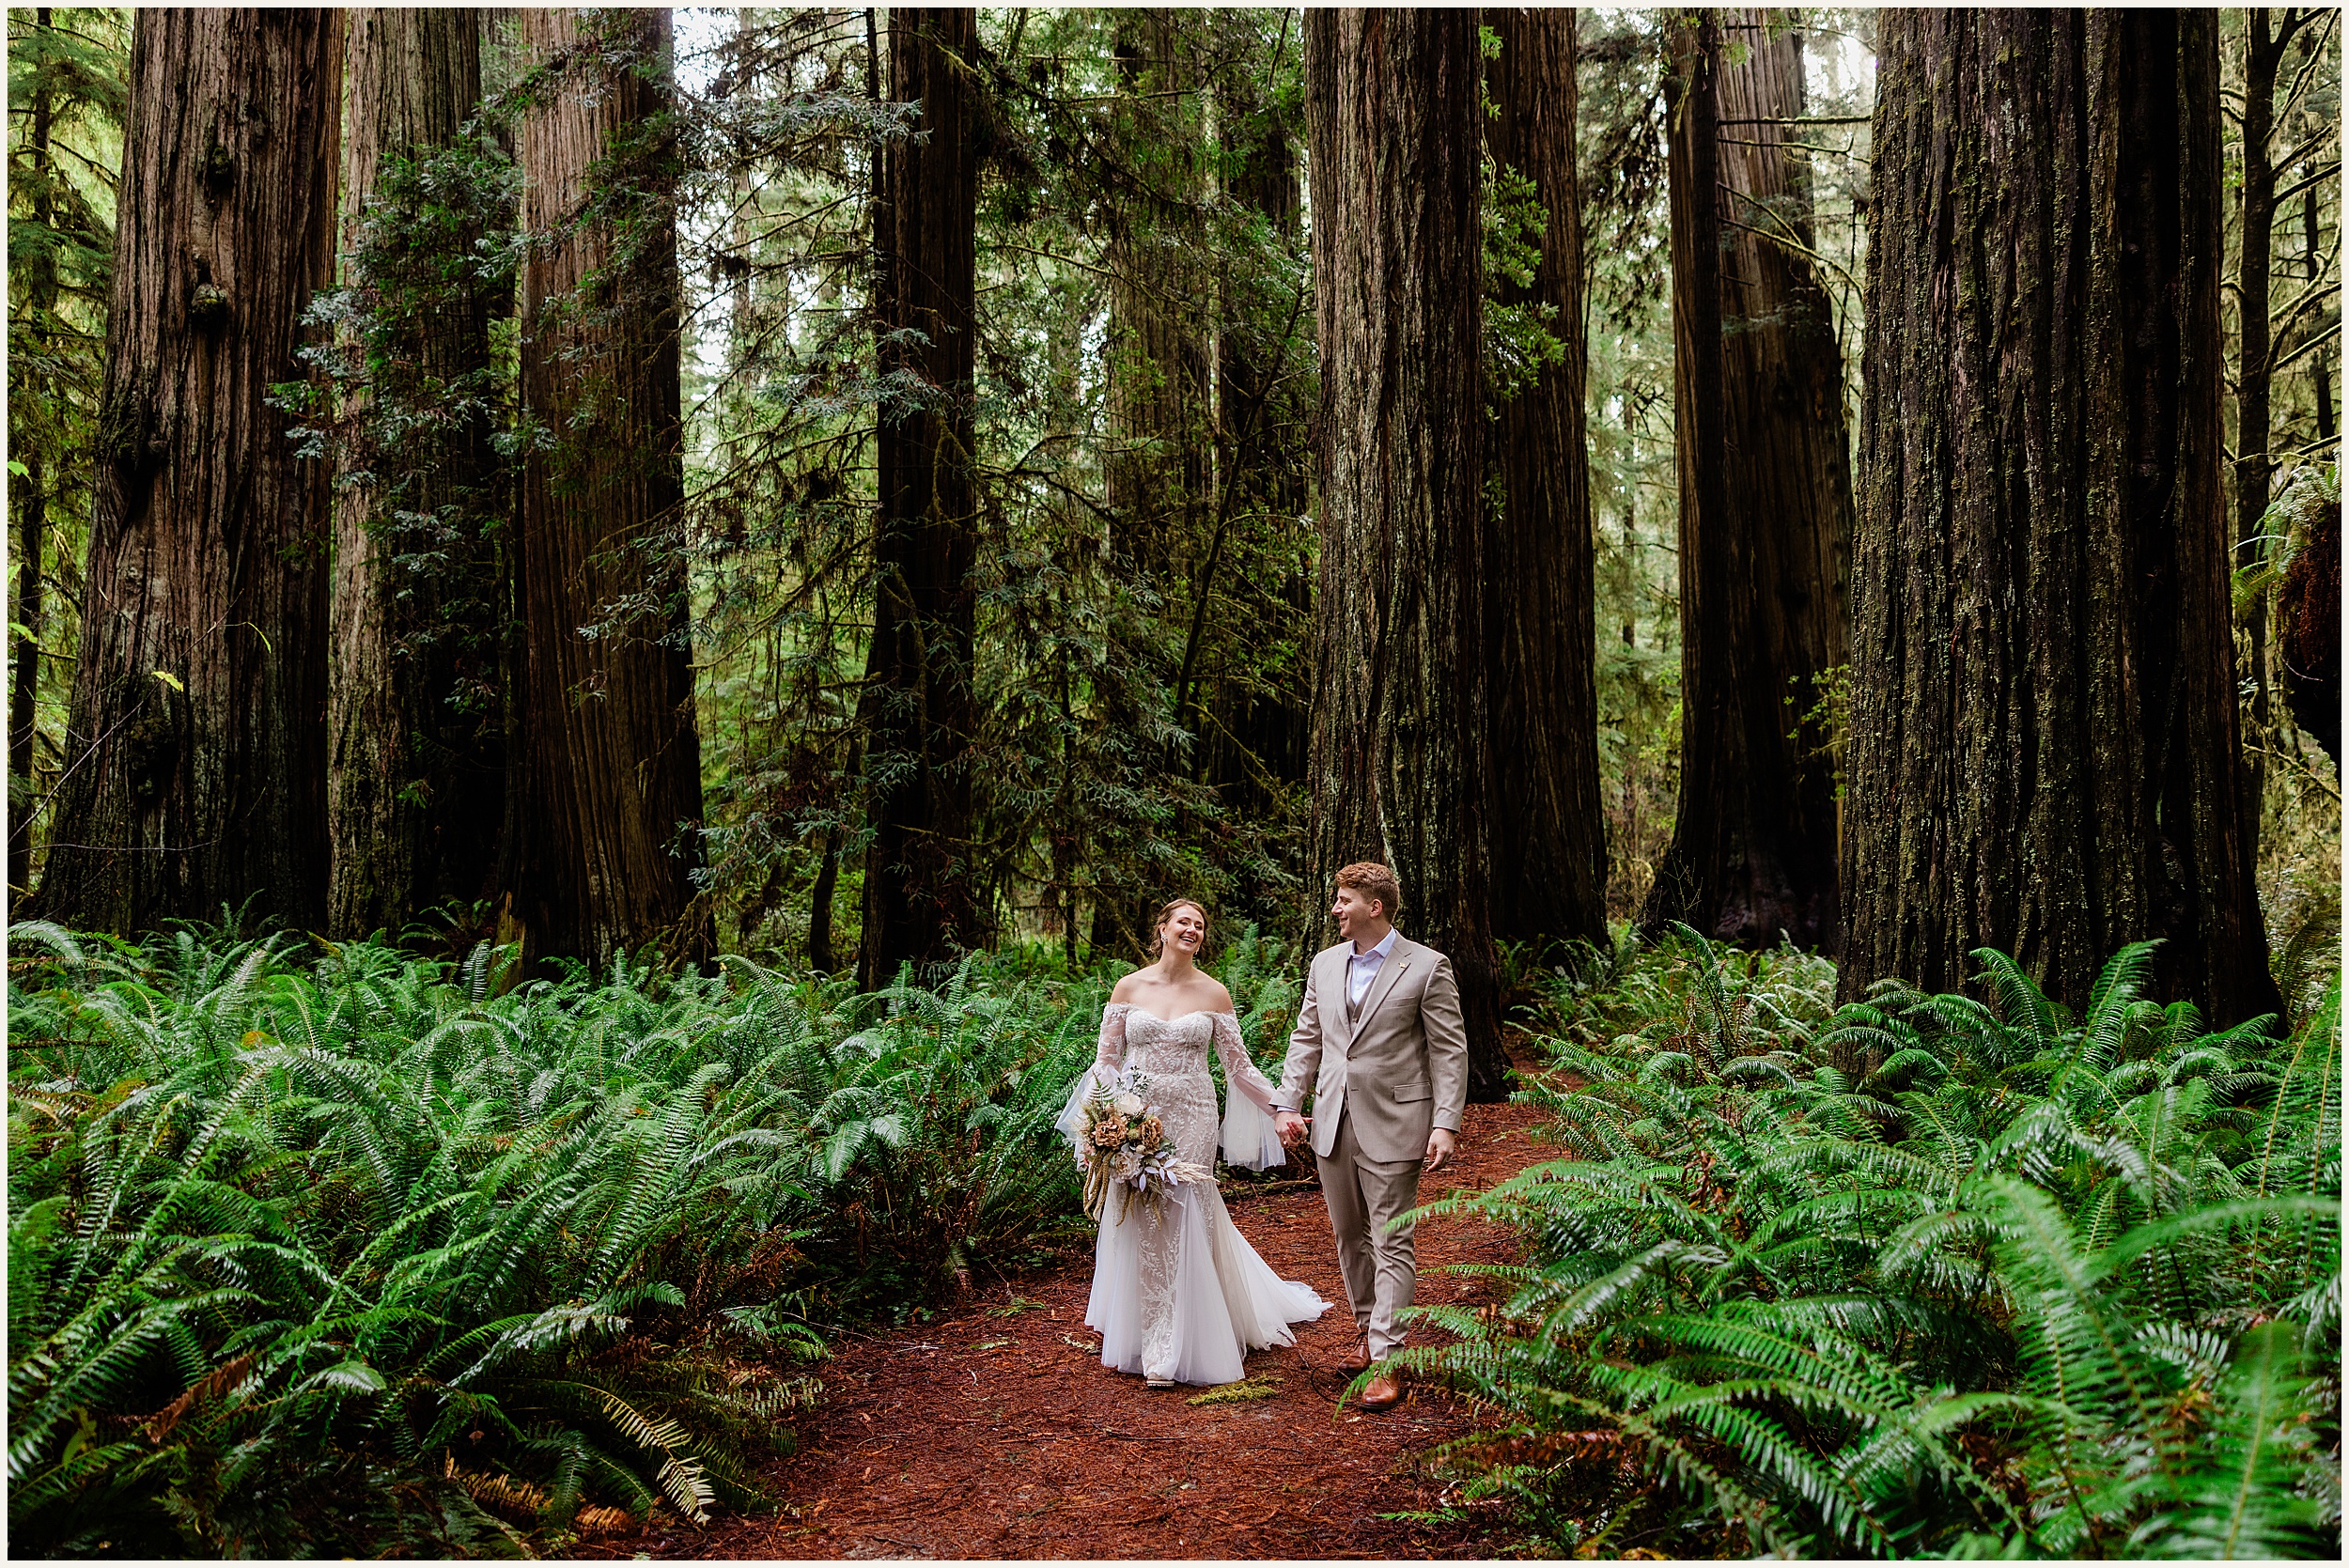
<point x="1364" y="1196"/>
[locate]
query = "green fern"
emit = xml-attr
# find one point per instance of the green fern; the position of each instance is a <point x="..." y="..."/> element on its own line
<point x="1924" y="1276"/>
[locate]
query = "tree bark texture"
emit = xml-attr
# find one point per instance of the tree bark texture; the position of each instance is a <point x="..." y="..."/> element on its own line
<point x="2045" y="756"/>
<point x="1550" y="854"/>
<point x="1766" y="501"/>
<point x="1156" y="467"/>
<point x="2309" y="607"/>
<point x="1401" y="752"/>
<point x="605" y="795"/>
<point x="195" y="754"/>
<point x="920" y="903"/>
<point x="414" y="798"/>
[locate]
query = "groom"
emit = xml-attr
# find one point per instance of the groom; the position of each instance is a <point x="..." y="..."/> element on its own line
<point x="1381" y="1046"/>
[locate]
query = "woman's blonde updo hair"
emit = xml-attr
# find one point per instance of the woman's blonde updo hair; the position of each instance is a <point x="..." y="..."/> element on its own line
<point x="1166" y="912"/>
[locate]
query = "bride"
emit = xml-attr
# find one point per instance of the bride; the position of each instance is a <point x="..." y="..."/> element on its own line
<point x="1178" y="1295"/>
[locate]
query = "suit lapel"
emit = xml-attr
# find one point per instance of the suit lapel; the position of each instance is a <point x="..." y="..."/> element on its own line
<point x="1401" y="958"/>
<point x="1333" y="985"/>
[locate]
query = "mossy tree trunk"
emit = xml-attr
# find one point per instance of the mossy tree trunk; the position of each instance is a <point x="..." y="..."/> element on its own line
<point x="30" y="491"/>
<point x="2044" y="747"/>
<point x="1402" y="748"/>
<point x="1766" y="500"/>
<point x="415" y="781"/>
<point x="1550" y="861"/>
<point x="604" y="797"/>
<point x="921" y="905"/>
<point x="195" y="765"/>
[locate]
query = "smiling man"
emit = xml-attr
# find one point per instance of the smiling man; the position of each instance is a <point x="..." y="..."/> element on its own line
<point x="1380" y="1045"/>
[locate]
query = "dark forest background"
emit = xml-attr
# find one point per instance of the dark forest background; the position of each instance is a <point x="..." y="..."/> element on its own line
<point x="851" y="489"/>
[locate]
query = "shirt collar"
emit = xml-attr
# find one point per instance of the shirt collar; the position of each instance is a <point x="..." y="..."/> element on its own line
<point x="1385" y="946"/>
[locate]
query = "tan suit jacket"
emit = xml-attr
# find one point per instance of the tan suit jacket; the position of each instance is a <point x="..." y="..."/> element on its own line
<point x="1401" y="1067"/>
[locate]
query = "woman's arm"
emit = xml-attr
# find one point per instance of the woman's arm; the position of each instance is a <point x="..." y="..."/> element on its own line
<point x="1251" y="1138"/>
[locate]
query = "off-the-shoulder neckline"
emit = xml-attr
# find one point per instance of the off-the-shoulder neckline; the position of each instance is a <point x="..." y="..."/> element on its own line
<point x="1210" y="1012"/>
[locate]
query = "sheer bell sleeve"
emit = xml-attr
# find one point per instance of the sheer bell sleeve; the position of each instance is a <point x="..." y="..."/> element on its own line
<point x="1248" y="1139"/>
<point x="1109" y="1057"/>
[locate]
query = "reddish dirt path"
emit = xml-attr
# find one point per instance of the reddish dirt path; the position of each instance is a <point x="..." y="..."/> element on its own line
<point x="996" y="1431"/>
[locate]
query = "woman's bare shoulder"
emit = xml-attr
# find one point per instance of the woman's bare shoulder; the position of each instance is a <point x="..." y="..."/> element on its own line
<point x="1130" y="987"/>
<point x="1222" y="1003"/>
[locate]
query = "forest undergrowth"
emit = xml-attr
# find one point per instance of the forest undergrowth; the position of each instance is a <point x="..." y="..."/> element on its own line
<point x="340" y="1249"/>
<point x="336" y="1249"/>
<point x="1928" y="1275"/>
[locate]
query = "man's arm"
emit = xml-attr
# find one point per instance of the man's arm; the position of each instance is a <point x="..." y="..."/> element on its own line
<point x="1447" y="1057"/>
<point x="1303" y="1063"/>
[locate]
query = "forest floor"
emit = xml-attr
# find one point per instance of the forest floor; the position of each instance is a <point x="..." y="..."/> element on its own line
<point x="993" y="1430"/>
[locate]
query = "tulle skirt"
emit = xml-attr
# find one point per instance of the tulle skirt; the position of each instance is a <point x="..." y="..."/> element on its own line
<point x="1178" y="1294"/>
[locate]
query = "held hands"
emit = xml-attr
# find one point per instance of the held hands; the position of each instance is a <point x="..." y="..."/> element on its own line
<point x="1290" y="1127"/>
<point x="1438" y="1149"/>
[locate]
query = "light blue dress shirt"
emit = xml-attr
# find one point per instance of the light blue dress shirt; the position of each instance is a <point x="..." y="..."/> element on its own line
<point x="1362" y="968"/>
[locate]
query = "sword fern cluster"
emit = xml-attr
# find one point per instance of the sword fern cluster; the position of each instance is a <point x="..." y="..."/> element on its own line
<point x="1922" y="1276"/>
<point x="359" y="1252"/>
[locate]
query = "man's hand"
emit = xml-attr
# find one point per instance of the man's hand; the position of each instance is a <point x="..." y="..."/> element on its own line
<point x="1438" y="1148"/>
<point x="1290" y="1126"/>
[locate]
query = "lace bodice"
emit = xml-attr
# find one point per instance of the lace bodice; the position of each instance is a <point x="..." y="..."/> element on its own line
<point x="1174" y="1053"/>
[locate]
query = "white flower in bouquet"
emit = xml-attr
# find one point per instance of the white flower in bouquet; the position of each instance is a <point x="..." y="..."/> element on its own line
<point x="1128" y="1164"/>
<point x="1128" y="1105"/>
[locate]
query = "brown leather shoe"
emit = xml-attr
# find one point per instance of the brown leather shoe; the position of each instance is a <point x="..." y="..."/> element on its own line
<point x="1385" y="1391"/>
<point x="1358" y="1358"/>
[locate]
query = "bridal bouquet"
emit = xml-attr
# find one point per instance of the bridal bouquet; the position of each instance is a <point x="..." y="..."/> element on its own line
<point x="1123" y="1146"/>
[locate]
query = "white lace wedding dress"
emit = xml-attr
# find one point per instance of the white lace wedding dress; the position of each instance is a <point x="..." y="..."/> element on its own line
<point x="1177" y="1293"/>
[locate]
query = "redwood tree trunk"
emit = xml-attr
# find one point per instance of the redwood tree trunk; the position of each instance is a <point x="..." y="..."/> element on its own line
<point x="1157" y="465"/>
<point x="413" y="795"/>
<point x="2044" y="746"/>
<point x="1765" y="503"/>
<point x="919" y="903"/>
<point x="1549" y="866"/>
<point x="606" y="790"/>
<point x="1401" y="752"/>
<point x="196" y="755"/>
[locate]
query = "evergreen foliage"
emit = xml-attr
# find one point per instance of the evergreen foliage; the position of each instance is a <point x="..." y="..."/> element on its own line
<point x="1924" y="1276"/>
<point x="66" y="105"/>
<point x="294" y="1229"/>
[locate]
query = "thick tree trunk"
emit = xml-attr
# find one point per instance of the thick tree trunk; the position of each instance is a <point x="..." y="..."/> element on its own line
<point x="1401" y="760"/>
<point x="196" y="760"/>
<point x="1550" y="854"/>
<point x="920" y="901"/>
<point x="2043" y="744"/>
<point x="2309" y="607"/>
<point x="1156" y="469"/>
<point x="1765" y="503"/>
<point x="605" y="794"/>
<point x="413" y="797"/>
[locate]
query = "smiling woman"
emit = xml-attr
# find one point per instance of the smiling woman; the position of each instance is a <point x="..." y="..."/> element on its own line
<point x="1178" y="1295"/>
